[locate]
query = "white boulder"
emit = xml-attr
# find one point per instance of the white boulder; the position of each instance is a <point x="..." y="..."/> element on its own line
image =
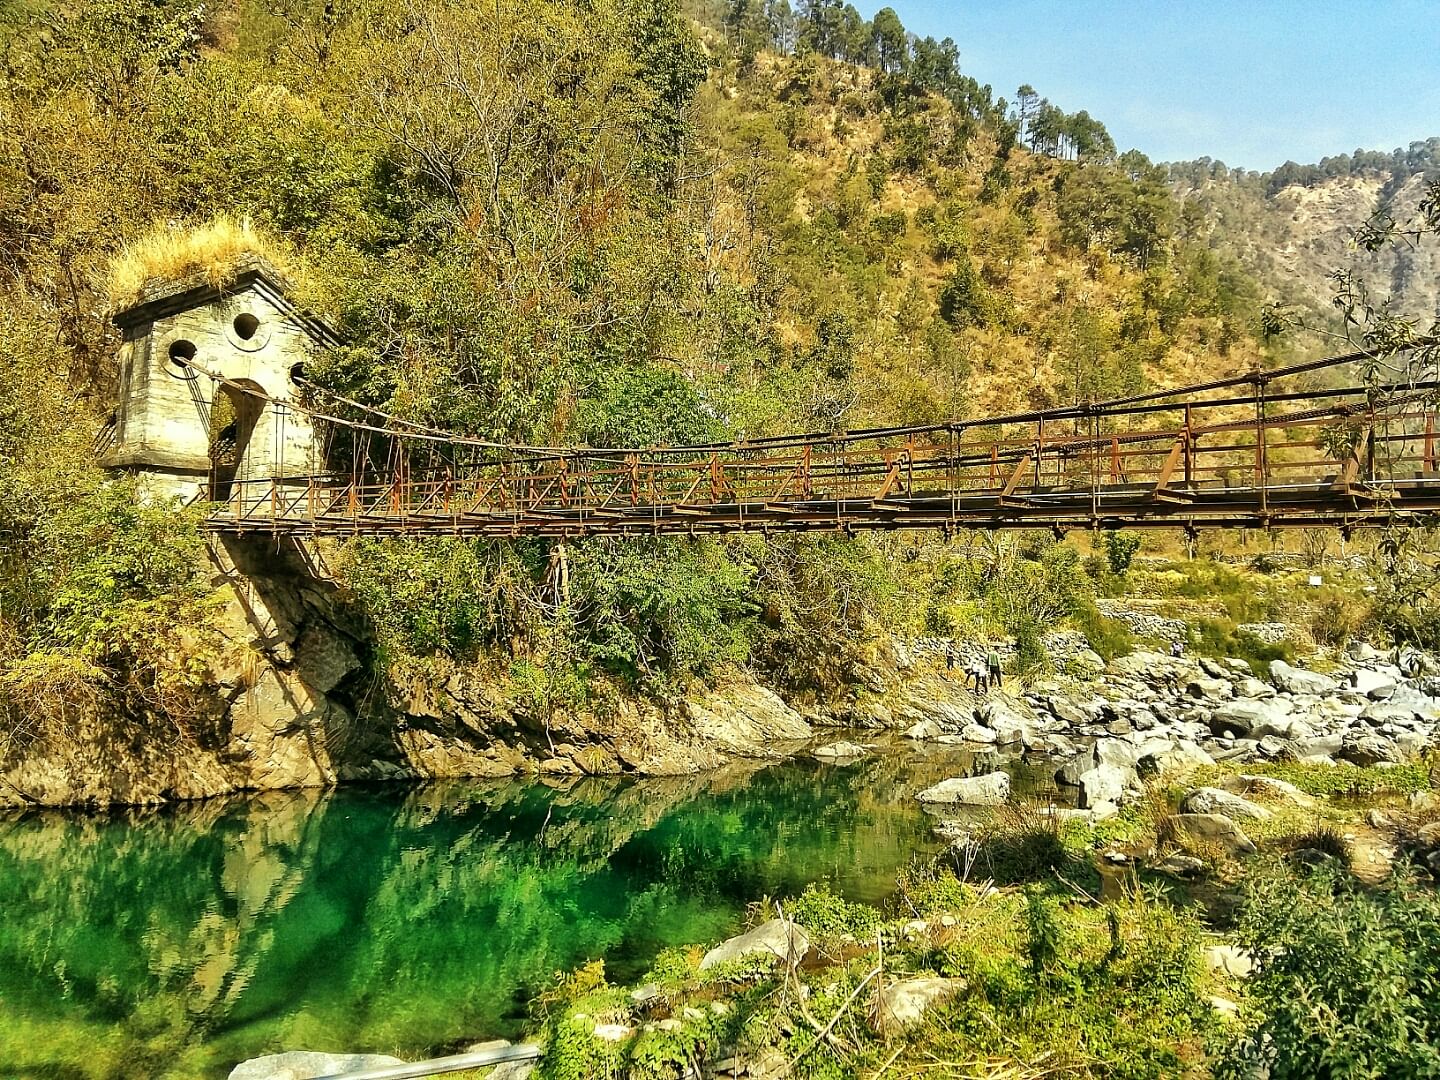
<point x="1295" y="680"/>
<point x="1104" y="784"/>
<point x="903" y="1004"/>
<point x="306" y="1064"/>
<point x="781" y="938"/>
<point x="1209" y="800"/>
<point x="992" y="789"/>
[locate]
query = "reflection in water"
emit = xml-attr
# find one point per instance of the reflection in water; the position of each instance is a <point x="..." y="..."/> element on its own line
<point x="402" y="920"/>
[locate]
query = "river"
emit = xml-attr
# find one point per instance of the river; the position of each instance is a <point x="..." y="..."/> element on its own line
<point x="408" y="919"/>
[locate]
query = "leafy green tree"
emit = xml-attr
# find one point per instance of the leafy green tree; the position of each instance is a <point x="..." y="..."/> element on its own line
<point x="964" y="300"/>
<point x="654" y="611"/>
<point x="1134" y="218"/>
<point x="1120" y="549"/>
<point x="646" y="406"/>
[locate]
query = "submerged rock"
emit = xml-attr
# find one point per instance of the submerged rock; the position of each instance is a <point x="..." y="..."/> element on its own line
<point x="925" y="729"/>
<point x="840" y="750"/>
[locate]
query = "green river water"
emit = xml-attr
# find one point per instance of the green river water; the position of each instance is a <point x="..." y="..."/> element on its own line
<point x="406" y="920"/>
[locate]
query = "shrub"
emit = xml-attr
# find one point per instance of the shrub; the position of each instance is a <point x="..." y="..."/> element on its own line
<point x="1345" y="979"/>
<point x="1108" y="637"/>
<point x="1337" y="617"/>
<point x="1030" y="654"/>
<point x="828" y="916"/>
<point x="925" y="889"/>
<point x="1083" y="992"/>
<point x="1025" y="843"/>
<point x="649" y="611"/>
<point x="964" y="299"/>
<point x="1326" y="839"/>
<point x="1212" y="637"/>
<point x="1206" y="580"/>
<point x="819" y="597"/>
<point x="1120" y="549"/>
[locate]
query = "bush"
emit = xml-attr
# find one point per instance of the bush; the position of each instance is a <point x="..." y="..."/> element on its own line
<point x="819" y="599"/>
<point x="1338" y="616"/>
<point x="1205" y="580"/>
<point x="964" y="299"/>
<point x="1345" y="979"/>
<point x="101" y="585"/>
<point x="828" y="917"/>
<point x="1030" y="654"/>
<point x="1211" y="637"/>
<point x="1108" y="637"/>
<point x="1120" y="549"/>
<point x="1082" y="992"/>
<point x="442" y="595"/>
<point x="1326" y="839"/>
<point x="926" y="889"/>
<point x="1025" y="844"/>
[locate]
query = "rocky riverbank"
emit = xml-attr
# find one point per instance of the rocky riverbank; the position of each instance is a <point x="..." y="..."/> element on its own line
<point x="1149" y="714"/>
<point x="299" y="702"/>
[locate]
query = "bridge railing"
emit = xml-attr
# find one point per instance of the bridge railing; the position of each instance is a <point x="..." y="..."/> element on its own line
<point x="1268" y="447"/>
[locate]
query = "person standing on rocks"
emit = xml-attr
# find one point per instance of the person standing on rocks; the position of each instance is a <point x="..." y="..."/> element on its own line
<point x="992" y="664"/>
<point x="977" y="672"/>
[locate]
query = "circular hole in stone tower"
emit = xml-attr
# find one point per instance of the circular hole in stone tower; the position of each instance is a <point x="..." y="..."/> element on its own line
<point x="181" y="352"/>
<point x="245" y="325"/>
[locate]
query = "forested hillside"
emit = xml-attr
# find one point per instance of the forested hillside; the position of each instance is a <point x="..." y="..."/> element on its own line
<point x="597" y="222"/>
<point x="1296" y="227"/>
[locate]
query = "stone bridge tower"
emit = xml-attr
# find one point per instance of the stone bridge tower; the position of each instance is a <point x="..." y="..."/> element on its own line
<point x="187" y="434"/>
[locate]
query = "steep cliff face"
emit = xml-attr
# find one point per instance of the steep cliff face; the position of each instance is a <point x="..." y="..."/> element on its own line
<point x="298" y="705"/>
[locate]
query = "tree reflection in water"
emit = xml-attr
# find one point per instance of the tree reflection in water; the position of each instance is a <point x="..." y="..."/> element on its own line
<point x="174" y="943"/>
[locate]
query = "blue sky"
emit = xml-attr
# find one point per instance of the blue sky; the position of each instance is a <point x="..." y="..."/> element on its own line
<point x="1251" y="83"/>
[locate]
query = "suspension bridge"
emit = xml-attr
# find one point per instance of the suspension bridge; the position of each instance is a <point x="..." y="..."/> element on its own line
<point x="1346" y="442"/>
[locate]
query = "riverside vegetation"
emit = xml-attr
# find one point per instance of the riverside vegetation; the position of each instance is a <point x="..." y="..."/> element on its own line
<point x="552" y="222"/>
<point x="633" y="223"/>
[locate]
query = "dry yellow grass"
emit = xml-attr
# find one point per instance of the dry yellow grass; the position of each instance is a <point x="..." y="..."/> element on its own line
<point x="168" y="253"/>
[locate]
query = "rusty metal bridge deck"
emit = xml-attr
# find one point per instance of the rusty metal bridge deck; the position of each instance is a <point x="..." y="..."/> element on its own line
<point x="1311" y="445"/>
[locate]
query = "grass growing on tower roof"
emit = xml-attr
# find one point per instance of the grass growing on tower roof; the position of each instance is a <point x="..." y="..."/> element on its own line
<point x="170" y="253"/>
